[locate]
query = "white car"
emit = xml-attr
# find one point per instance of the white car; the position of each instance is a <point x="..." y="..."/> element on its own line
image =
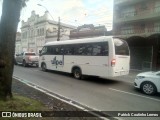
<point x="148" y="82"/>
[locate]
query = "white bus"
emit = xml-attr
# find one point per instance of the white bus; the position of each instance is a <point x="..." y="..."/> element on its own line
<point x="105" y="56"/>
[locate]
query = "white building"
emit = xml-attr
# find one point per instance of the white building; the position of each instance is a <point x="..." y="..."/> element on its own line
<point x="39" y="29"/>
<point x="18" y="46"/>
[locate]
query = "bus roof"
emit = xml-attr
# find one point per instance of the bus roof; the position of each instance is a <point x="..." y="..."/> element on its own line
<point x="84" y="40"/>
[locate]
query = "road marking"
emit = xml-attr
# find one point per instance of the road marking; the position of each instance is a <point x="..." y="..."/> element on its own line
<point x="134" y="94"/>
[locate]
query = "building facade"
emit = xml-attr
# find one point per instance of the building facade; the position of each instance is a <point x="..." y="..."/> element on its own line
<point x="18" y="46"/>
<point x="88" y="31"/>
<point x="138" y="22"/>
<point x="38" y="30"/>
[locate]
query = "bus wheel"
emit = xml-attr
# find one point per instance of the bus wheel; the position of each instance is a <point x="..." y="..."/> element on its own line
<point x="44" y="67"/>
<point x="77" y="73"/>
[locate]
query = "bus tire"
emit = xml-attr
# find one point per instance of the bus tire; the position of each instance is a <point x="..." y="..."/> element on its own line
<point x="77" y="73"/>
<point x="44" y="67"/>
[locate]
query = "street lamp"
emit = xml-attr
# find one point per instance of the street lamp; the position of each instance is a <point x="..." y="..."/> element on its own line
<point x="46" y="9"/>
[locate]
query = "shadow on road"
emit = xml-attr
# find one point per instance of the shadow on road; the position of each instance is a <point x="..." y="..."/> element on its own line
<point x="138" y="91"/>
<point x="91" y="79"/>
<point x="29" y="66"/>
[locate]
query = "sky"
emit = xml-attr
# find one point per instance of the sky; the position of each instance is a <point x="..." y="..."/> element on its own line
<point x="73" y="12"/>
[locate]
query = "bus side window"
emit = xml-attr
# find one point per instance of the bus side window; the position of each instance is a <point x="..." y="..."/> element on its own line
<point x="100" y="49"/>
<point x="61" y="52"/>
<point x="56" y="50"/>
<point x="104" y="49"/>
<point x="96" y="50"/>
<point x="78" y="49"/>
<point x="68" y="50"/>
<point x="88" y="49"/>
<point x="83" y="49"/>
<point x="49" y="50"/>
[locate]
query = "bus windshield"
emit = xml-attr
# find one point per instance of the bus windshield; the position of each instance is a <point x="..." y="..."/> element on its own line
<point x="121" y="47"/>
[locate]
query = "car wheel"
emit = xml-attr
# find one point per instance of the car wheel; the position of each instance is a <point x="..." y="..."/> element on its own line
<point x="148" y="88"/>
<point x="24" y="63"/>
<point x="44" y="67"/>
<point x="77" y="73"/>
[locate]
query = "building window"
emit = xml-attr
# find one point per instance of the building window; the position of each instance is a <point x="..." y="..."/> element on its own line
<point x="40" y="32"/>
<point x="143" y="6"/>
<point x="24" y="35"/>
<point x="157" y="27"/>
<point x="157" y="6"/>
<point x="37" y="32"/>
<point x="32" y="33"/>
<point x="127" y="30"/>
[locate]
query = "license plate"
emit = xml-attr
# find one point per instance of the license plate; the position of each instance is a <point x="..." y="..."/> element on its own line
<point x="123" y="73"/>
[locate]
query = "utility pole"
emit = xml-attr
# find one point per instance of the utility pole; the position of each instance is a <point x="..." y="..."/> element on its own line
<point x="58" y="34"/>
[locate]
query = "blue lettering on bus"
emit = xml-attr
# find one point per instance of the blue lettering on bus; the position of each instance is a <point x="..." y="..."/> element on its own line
<point x="56" y="62"/>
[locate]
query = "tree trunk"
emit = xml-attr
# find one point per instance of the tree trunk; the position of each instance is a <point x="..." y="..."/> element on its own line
<point x="8" y="28"/>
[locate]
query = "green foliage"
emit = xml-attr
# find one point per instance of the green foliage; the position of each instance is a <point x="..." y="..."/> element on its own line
<point x="20" y="103"/>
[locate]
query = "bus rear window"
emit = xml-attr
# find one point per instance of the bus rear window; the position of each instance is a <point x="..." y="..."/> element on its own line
<point x="121" y="47"/>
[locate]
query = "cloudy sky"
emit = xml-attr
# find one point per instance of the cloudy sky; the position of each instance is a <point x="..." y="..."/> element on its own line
<point x="74" y="12"/>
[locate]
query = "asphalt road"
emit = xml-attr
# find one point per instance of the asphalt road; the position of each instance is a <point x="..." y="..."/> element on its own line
<point x="116" y="94"/>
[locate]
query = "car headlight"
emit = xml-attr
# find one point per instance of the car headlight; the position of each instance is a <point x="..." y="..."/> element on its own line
<point x="140" y="77"/>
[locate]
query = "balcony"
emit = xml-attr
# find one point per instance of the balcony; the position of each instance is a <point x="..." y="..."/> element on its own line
<point x="139" y="32"/>
<point x="139" y="16"/>
<point x="126" y="2"/>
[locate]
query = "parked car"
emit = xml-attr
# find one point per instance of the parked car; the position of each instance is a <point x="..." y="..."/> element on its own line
<point x="15" y="58"/>
<point x="148" y="82"/>
<point x="27" y="58"/>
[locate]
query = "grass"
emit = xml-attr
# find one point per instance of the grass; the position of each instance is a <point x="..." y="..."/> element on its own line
<point x="20" y="103"/>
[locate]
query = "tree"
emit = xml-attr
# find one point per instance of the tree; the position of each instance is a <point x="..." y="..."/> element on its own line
<point x="8" y="27"/>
